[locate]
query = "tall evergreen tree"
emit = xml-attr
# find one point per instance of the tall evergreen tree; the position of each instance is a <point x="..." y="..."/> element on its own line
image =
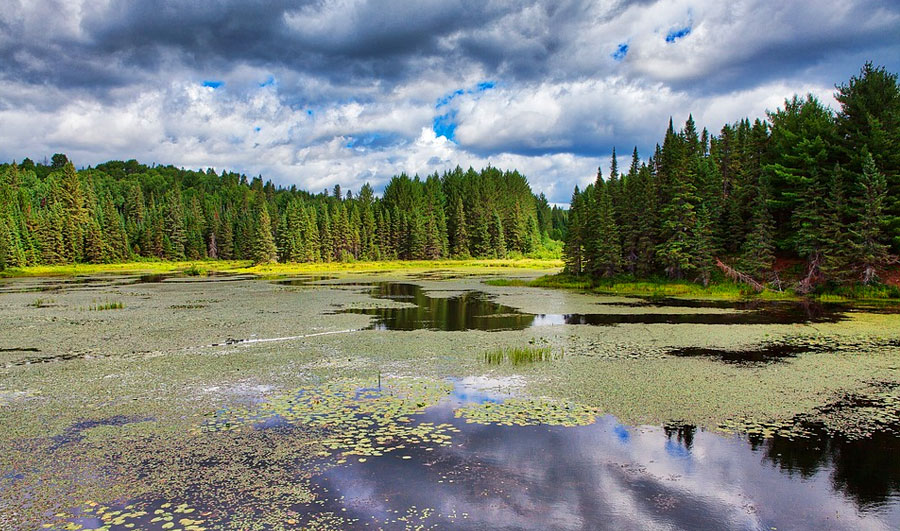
<point x="869" y="247"/>
<point x="264" y="250"/>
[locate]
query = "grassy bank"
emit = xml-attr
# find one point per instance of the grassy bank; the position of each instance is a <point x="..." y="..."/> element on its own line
<point x="226" y="266"/>
<point x="720" y="288"/>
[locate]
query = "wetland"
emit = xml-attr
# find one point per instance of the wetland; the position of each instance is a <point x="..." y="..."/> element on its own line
<point x="418" y="399"/>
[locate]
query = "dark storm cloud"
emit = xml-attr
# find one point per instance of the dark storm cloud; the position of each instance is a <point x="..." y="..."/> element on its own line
<point x="125" y="42"/>
<point x="313" y="90"/>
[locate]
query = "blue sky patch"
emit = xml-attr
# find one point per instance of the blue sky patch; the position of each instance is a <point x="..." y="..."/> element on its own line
<point x="445" y="125"/>
<point x="480" y="87"/>
<point x="213" y="84"/>
<point x="678" y="33"/>
<point x="268" y="82"/>
<point x="620" y="52"/>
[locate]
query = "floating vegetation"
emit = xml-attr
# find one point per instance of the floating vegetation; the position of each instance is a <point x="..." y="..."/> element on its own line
<point x="98" y="517"/>
<point x="518" y="355"/>
<point x="528" y="412"/>
<point x="854" y="416"/>
<point x="359" y="421"/>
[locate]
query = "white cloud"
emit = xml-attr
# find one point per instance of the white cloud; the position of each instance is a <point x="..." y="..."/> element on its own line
<point x="358" y="103"/>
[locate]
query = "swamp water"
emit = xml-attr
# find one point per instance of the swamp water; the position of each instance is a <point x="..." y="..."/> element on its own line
<point x="407" y="452"/>
<point x="475" y="310"/>
<point x="471" y="454"/>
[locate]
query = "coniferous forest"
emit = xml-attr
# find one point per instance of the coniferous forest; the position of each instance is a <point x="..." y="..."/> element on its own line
<point x="52" y="214"/>
<point x="809" y="186"/>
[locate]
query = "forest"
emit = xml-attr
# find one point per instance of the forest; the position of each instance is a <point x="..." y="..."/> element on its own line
<point x="52" y="214"/>
<point x="810" y="192"/>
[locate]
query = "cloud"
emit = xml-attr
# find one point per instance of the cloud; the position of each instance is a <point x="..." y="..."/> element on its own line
<point x="324" y="91"/>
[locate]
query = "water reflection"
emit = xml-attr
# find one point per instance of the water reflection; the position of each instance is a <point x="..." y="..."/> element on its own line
<point x="475" y="310"/>
<point x="613" y="476"/>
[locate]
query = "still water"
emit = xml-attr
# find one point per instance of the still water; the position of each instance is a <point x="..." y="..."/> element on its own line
<point x="475" y="310"/>
<point x="604" y="475"/>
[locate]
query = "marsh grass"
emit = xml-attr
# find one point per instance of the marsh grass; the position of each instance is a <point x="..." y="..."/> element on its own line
<point x="196" y="271"/>
<point x="106" y="305"/>
<point x="42" y="303"/>
<point x="719" y="289"/>
<point x="518" y="355"/>
<point x="245" y="266"/>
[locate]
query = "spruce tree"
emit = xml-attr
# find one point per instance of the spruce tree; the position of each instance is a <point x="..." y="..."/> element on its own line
<point x="460" y="235"/>
<point x="4" y="244"/>
<point x="573" y="246"/>
<point x="758" y="250"/>
<point x="836" y="254"/>
<point x="870" y="249"/>
<point x="263" y="249"/>
<point x="498" y="241"/>
<point x="606" y="251"/>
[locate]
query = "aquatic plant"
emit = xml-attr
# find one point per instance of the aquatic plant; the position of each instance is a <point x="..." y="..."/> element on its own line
<point x="42" y="303"/>
<point x="528" y="412"/>
<point x="517" y="355"/>
<point x="108" y="305"/>
<point x="360" y="421"/>
<point x="133" y="516"/>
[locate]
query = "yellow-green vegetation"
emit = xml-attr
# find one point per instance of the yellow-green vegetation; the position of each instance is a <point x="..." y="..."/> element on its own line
<point x="41" y="302"/>
<point x="528" y="412"/>
<point x="138" y="267"/>
<point x="517" y="355"/>
<point x="167" y="516"/>
<point x="199" y="268"/>
<point x="722" y="289"/>
<point x="106" y="305"/>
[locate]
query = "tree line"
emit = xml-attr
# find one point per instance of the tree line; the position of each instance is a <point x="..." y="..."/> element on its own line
<point x="808" y="185"/>
<point x="52" y="214"/>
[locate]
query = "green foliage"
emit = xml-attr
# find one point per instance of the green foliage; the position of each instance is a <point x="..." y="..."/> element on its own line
<point x="120" y="211"/>
<point x="807" y="184"/>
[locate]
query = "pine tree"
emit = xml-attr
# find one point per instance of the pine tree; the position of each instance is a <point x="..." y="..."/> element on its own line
<point x="498" y="241"/>
<point x="605" y="251"/>
<point x="835" y="234"/>
<point x="758" y="251"/>
<point x="226" y="251"/>
<point x="460" y="235"/>
<point x="4" y="244"/>
<point x="263" y="249"/>
<point x="573" y="246"/>
<point x="870" y="250"/>
<point x="173" y="225"/>
<point x="74" y="214"/>
<point x="703" y="245"/>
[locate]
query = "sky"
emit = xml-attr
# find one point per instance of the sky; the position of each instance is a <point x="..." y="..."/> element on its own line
<point x="325" y="92"/>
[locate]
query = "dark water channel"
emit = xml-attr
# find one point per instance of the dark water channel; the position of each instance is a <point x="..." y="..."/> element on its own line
<point x="475" y="310"/>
